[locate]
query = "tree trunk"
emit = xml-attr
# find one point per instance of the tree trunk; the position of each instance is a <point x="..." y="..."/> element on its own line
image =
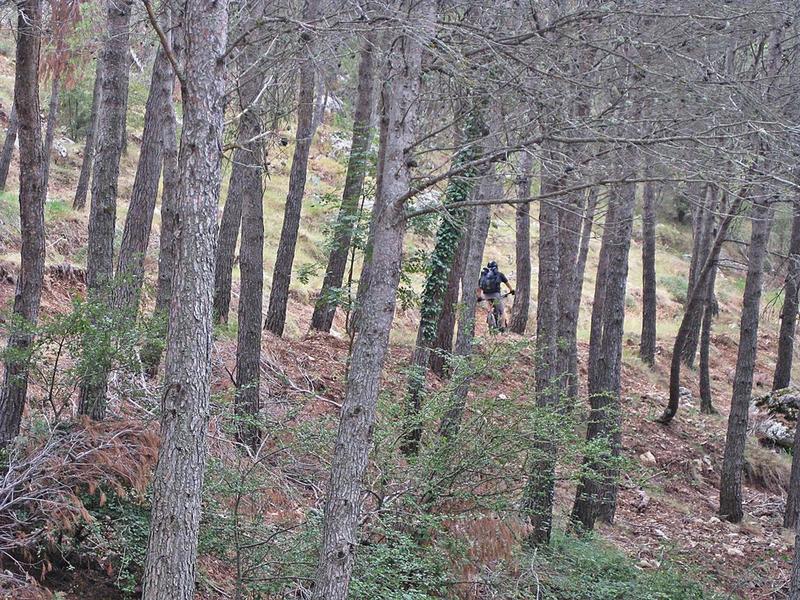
<point x="488" y="187"/>
<point x="88" y="151"/>
<point x="251" y="159"/>
<point x="448" y="237"/>
<point x="598" y="302"/>
<point x="136" y="235"/>
<point x="354" y="437"/>
<point x="325" y="307"/>
<point x="596" y="496"/>
<point x="709" y="312"/>
<point x="52" y="121"/>
<point x="170" y="565"/>
<point x="168" y="239"/>
<point x="31" y="209"/>
<point x="783" y="366"/>
<point x="730" y="493"/>
<point x="102" y="214"/>
<point x="647" y="344"/>
<point x="794" y="581"/>
<point x="790" y="520"/>
<point x="282" y="273"/>
<point x="522" y="299"/>
<point x="248" y="349"/>
<point x="695" y="300"/>
<point x="539" y="490"/>
<point x="442" y="345"/>
<point x="8" y="146"/>
<point x="705" y="217"/>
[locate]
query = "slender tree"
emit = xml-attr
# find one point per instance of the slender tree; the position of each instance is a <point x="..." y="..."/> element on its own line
<point x="52" y="121"/>
<point x="539" y="490"/>
<point x="31" y="204"/>
<point x="325" y="308"/>
<point x="647" y="344"/>
<point x="87" y="161"/>
<point x="709" y="312"/>
<point x="139" y="221"/>
<point x="282" y="273"/>
<point x="170" y="565"/>
<point x="596" y="495"/>
<point x="102" y="214"/>
<point x="522" y="300"/>
<point x="783" y="366"/>
<point x="730" y="490"/>
<point x="8" y="146"/>
<point x="354" y="437"/>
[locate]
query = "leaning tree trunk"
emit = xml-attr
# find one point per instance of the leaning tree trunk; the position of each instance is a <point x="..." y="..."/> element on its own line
<point x="168" y="239"/>
<point x="783" y="366"/>
<point x="102" y="214"/>
<point x="730" y="492"/>
<point x="709" y="312"/>
<point x="522" y="300"/>
<point x="31" y="211"/>
<point x="325" y="308"/>
<point x="538" y="496"/>
<point x="171" y="562"/>
<point x="245" y="167"/>
<point x="354" y="438"/>
<point x="88" y="150"/>
<point x="136" y="235"/>
<point x="596" y="496"/>
<point x="52" y="121"/>
<point x="282" y="272"/>
<point x="8" y="146"/>
<point x="647" y="344"/>
<point x="695" y="302"/>
<point x="488" y="187"/>
<point x="448" y="237"/>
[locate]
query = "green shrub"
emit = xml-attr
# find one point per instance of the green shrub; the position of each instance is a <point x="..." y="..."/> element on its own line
<point x="590" y="569"/>
<point x="677" y="286"/>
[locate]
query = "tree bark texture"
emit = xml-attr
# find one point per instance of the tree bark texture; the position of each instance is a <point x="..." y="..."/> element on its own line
<point x="32" y="194"/>
<point x="522" y="299"/>
<point x="347" y="219"/>
<point x="730" y="493"/>
<point x="783" y="366"/>
<point x="52" y="121"/>
<point x="248" y="347"/>
<point x="282" y="273"/>
<point x="488" y="187"/>
<point x="168" y="237"/>
<point x="704" y="220"/>
<point x="89" y="148"/>
<point x="448" y="237"/>
<point x="596" y="496"/>
<point x="136" y="235"/>
<point x="8" y="146"/>
<point x="709" y="312"/>
<point x="354" y="438"/>
<point x="250" y="84"/>
<point x="793" y="497"/>
<point x="170" y="566"/>
<point x="103" y="210"/>
<point x="598" y="302"/>
<point x="647" y="343"/>
<point x="696" y="299"/>
<point x="539" y="490"/>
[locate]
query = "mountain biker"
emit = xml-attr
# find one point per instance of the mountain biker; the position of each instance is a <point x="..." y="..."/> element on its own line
<point x="489" y="289"/>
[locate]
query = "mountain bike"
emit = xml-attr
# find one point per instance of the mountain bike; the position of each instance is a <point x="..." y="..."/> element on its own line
<point x="493" y="314"/>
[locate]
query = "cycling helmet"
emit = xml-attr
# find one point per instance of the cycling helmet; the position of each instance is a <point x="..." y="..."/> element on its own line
<point x="492" y="264"/>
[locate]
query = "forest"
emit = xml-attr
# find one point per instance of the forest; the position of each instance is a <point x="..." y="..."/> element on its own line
<point x="399" y="299"/>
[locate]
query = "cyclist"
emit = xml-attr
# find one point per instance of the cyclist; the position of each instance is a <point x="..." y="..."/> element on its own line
<point x="489" y="289"/>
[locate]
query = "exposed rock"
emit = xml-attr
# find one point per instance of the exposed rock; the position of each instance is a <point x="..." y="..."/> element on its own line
<point x="648" y="459"/>
<point x="686" y="397"/>
<point x="773" y="417"/>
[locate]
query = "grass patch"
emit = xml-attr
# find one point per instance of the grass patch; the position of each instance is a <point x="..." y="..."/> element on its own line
<point x="676" y="285"/>
<point x="590" y="569"/>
